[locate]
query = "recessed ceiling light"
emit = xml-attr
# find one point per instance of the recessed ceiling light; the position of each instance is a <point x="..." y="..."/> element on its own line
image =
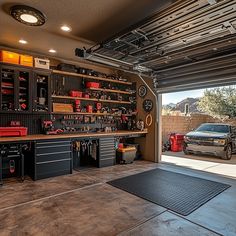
<point x="29" y="18"/>
<point x="22" y="41"/>
<point x="66" y="28"/>
<point x="27" y="15"/>
<point x="52" y="51"/>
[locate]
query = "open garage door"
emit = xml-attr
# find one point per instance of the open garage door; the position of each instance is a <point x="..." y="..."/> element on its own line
<point x="220" y="71"/>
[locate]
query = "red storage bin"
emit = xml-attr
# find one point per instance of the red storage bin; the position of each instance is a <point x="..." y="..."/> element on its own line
<point x="13" y="131"/>
<point x="85" y="95"/>
<point x="74" y="93"/>
<point x="92" y="85"/>
<point x="176" y="142"/>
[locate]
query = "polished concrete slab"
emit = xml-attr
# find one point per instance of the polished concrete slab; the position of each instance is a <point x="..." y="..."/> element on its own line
<point x="83" y="204"/>
<point x="98" y="210"/>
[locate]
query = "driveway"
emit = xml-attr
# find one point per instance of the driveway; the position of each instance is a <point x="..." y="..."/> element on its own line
<point x="205" y="163"/>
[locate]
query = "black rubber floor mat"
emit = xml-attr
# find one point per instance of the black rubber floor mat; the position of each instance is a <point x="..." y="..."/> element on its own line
<point x="177" y="192"/>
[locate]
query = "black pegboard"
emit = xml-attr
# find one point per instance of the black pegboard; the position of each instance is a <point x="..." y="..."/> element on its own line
<point x="32" y="121"/>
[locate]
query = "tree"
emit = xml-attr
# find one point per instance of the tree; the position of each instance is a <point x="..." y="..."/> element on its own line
<point x="219" y="102"/>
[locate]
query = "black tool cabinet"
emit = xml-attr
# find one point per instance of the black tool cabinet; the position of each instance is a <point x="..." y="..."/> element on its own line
<point x="11" y="153"/>
<point x="107" y="152"/>
<point x="52" y="158"/>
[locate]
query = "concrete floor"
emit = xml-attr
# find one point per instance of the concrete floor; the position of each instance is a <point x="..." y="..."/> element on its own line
<point x="206" y="163"/>
<point x="83" y="204"/>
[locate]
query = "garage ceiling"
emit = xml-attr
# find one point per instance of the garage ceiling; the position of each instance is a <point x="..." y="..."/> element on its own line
<point x="175" y="40"/>
<point x="92" y="21"/>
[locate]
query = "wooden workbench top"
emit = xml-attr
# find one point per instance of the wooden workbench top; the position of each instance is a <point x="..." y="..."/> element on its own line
<point x="77" y="135"/>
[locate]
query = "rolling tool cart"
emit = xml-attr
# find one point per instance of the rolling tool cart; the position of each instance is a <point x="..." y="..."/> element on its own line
<point x="11" y="161"/>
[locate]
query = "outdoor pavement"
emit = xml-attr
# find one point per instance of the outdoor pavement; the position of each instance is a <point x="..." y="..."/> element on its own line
<point x="206" y="163"/>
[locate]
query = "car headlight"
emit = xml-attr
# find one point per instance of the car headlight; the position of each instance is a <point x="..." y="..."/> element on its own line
<point x="186" y="139"/>
<point x="220" y="141"/>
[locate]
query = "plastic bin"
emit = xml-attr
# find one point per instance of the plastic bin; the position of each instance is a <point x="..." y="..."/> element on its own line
<point x="138" y="155"/>
<point x="41" y="63"/>
<point x="176" y="142"/>
<point x="9" y="57"/>
<point x="125" y="155"/>
<point x="92" y="85"/>
<point x="26" y="60"/>
<point x="74" y="93"/>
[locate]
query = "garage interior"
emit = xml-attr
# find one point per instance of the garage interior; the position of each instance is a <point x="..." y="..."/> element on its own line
<point x="80" y="116"/>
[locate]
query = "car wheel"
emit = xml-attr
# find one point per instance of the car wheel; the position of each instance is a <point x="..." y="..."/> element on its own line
<point x="228" y="153"/>
<point x="186" y="152"/>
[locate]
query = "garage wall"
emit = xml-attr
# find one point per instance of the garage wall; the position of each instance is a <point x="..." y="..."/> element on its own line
<point x="147" y="144"/>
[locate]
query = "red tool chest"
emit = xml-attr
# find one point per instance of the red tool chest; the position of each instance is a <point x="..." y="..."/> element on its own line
<point x="13" y="131"/>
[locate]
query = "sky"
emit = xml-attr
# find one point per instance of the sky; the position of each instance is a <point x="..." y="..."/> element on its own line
<point x="179" y="96"/>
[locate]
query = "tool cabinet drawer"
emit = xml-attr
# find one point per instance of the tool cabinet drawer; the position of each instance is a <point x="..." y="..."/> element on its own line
<point x="50" y="147"/>
<point x="53" y="149"/>
<point x="54" y="142"/>
<point x="46" y="170"/>
<point x="50" y="157"/>
<point x="106" y="162"/>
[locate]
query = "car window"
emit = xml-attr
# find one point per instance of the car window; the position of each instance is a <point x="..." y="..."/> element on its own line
<point x="213" y="128"/>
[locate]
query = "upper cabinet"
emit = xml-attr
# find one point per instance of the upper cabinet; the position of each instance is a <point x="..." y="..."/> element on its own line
<point x="15" y="89"/>
<point x="41" y="92"/>
<point x="24" y="90"/>
<point x="8" y="87"/>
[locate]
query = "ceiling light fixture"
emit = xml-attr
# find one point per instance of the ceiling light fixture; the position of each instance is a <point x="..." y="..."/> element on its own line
<point x="27" y="15"/>
<point x="66" y="28"/>
<point x="22" y="41"/>
<point x="52" y="51"/>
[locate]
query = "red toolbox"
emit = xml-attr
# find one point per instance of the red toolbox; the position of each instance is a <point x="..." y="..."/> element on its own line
<point x="92" y="85"/>
<point x="13" y="131"/>
<point x="74" y="93"/>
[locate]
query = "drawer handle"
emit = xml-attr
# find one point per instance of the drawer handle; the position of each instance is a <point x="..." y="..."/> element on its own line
<point x="48" y="143"/>
<point x="66" y="145"/>
<point x="45" y="162"/>
<point x="104" y="159"/>
<point x="52" y="153"/>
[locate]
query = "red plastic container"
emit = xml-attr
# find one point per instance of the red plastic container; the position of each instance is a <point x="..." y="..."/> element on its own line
<point x="176" y="142"/>
<point x="89" y="109"/>
<point x="7" y="91"/>
<point x="85" y="95"/>
<point x="74" y="93"/>
<point x="92" y="85"/>
<point x="13" y="131"/>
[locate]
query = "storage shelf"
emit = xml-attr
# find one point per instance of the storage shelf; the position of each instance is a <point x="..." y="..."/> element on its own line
<point x="110" y="90"/>
<point x="91" y="99"/>
<point x="90" y="77"/>
<point x="87" y="113"/>
<point x="75" y="98"/>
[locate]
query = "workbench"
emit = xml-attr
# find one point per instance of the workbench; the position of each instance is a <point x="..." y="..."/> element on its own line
<point x="52" y="155"/>
<point x="71" y="136"/>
